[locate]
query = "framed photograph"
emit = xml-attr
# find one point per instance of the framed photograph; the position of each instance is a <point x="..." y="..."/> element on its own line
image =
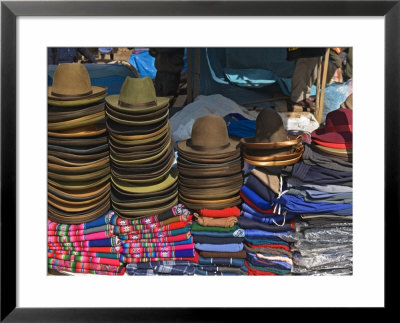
<point x="30" y="28"/>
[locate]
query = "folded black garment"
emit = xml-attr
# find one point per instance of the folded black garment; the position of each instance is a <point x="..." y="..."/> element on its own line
<point x="260" y="188"/>
<point x="246" y="223"/>
<point x="216" y="240"/>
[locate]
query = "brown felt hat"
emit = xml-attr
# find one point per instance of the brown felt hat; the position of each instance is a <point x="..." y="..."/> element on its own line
<point x="209" y="137"/>
<point x="269" y="128"/>
<point x="71" y="82"/>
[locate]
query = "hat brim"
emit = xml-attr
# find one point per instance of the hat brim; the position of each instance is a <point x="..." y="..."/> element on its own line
<point x="273" y="163"/>
<point x="143" y="203"/>
<point x="170" y="179"/>
<point x="80" y="132"/>
<point x="113" y="100"/>
<point x="77" y="186"/>
<point x="185" y="147"/>
<point x="251" y="143"/>
<point x="335" y="150"/>
<point x="274" y="157"/>
<point x="72" y="218"/>
<point x="96" y="91"/>
<point x="138" y="122"/>
<point x="77" y="102"/>
<point x="80" y="177"/>
<point x="154" y="209"/>
<point x="210" y="182"/>
<point x="77" y="142"/>
<point x="79" y="122"/>
<point x="333" y="137"/>
<point x="73" y="207"/>
<point x="61" y="169"/>
<point x="137" y="117"/>
<point x="209" y="159"/>
<point x="75" y="158"/>
<point x="82" y="195"/>
<point x="210" y="204"/>
<point x="58" y="114"/>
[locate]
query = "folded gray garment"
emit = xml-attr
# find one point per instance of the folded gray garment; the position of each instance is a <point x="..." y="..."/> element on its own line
<point x="336" y="198"/>
<point x="311" y="157"/>
<point x="294" y="182"/>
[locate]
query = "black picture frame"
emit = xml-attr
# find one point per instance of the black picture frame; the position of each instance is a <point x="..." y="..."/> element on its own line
<point x="10" y="10"/>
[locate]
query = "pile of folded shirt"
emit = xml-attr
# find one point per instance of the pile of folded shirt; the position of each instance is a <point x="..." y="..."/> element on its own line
<point x="219" y="242"/>
<point x="78" y="154"/>
<point x="158" y="244"/>
<point x="210" y="166"/>
<point x="143" y="179"/>
<point x="320" y="191"/>
<point x="92" y="247"/>
<point x="263" y="223"/>
<point x="267" y="252"/>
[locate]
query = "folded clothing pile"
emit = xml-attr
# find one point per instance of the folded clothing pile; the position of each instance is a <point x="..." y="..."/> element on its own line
<point x="78" y="154"/>
<point x="320" y="191"/>
<point x="219" y="241"/>
<point x="143" y="179"/>
<point x="158" y="244"/>
<point x="266" y="252"/>
<point x="92" y="247"/>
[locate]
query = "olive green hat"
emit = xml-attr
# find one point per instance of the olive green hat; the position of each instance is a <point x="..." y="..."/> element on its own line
<point x="137" y="96"/>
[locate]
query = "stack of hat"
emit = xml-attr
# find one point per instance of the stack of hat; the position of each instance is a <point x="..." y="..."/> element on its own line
<point x="320" y="191"/>
<point x="78" y="154"/>
<point x="91" y="248"/>
<point x="143" y="179"/>
<point x="271" y="145"/>
<point x="335" y="139"/>
<point x="209" y="166"/>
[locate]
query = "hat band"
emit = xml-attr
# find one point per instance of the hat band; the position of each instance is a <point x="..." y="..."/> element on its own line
<point x="202" y="148"/>
<point x="138" y="105"/>
<point x="71" y="95"/>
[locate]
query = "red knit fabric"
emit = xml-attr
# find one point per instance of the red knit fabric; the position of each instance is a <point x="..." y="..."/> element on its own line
<point x="223" y="213"/>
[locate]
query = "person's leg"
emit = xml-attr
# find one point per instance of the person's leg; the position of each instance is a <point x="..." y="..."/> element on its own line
<point x="304" y="76"/>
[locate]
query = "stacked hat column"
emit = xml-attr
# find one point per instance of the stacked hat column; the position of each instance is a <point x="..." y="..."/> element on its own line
<point x="143" y="179"/>
<point x="320" y="190"/>
<point x="144" y="189"/>
<point x="264" y="224"/>
<point x="78" y="171"/>
<point x="78" y="156"/>
<point x="210" y="178"/>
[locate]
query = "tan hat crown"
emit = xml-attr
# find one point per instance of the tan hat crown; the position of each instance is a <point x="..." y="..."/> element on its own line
<point x="209" y="132"/>
<point x="269" y="127"/>
<point x="71" y="80"/>
<point x="137" y="93"/>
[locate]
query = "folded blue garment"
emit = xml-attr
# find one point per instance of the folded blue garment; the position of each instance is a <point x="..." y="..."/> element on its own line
<point x="297" y="204"/>
<point x="229" y="247"/>
<point x="255" y="198"/>
<point x="259" y="234"/>
<point x="259" y="188"/>
<point x="256" y="261"/>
